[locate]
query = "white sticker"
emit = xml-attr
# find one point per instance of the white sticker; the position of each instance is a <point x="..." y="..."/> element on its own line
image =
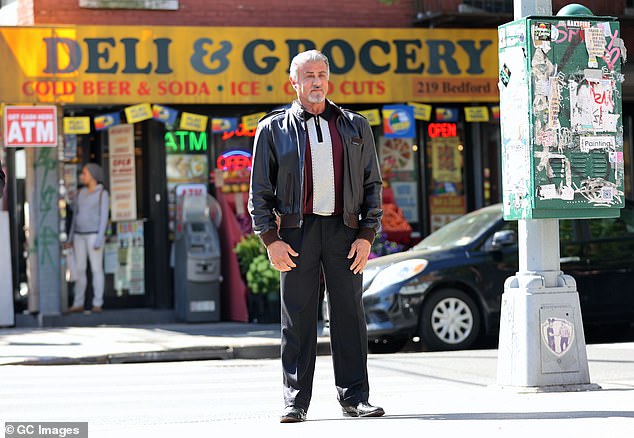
<point x="593" y="74"/>
<point x="610" y="122"/>
<point x="548" y="191"/>
<point x="595" y="44"/>
<point x="607" y="193"/>
<point x="616" y="157"/>
<point x="502" y="38"/>
<point x="567" y="193"/>
<point x="581" y="106"/>
<point x="605" y="26"/>
<point x="588" y="143"/>
<point x="553" y="103"/>
<point x="541" y="87"/>
<point x="618" y="42"/>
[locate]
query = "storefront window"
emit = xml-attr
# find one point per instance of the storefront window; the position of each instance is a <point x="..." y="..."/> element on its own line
<point x="399" y="169"/>
<point x="445" y="152"/>
<point x="233" y="149"/>
<point x="185" y="163"/>
<point x="491" y="164"/>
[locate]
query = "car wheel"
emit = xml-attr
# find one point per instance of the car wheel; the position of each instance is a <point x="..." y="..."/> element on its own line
<point x="386" y="346"/>
<point x="450" y="320"/>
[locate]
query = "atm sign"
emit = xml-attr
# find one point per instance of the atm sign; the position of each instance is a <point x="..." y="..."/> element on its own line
<point x="30" y="126"/>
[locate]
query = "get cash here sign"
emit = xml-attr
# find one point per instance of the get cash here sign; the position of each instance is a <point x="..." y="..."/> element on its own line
<point x="30" y="126"/>
<point x="178" y="65"/>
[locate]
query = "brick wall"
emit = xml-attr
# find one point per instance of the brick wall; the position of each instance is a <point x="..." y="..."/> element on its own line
<point x="598" y="7"/>
<point x="275" y="13"/>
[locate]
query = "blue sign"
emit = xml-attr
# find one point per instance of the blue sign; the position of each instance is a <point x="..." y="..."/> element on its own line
<point x="398" y="121"/>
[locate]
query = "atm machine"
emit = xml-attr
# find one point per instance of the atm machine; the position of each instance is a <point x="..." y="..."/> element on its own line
<point x="197" y="274"/>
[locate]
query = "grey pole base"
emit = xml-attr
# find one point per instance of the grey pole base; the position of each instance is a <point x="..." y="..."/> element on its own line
<point x="542" y="344"/>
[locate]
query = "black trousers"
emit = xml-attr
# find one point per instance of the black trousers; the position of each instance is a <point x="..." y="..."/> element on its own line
<point x="323" y="242"/>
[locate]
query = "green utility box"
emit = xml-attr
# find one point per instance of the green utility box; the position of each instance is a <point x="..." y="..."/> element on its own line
<point x="561" y="124"/>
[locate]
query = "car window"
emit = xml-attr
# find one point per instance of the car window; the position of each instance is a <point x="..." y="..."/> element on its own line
<point x="627" y="216"/>
<point x="463" y="230"/>
<point x="566" y="230"/>
<point x="609" y="228"/>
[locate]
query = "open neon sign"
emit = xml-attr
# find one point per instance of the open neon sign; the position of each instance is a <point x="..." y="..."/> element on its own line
<point x="442" y="130"/>
<point x="240" y="132"/>
<point x="234" y="160"/>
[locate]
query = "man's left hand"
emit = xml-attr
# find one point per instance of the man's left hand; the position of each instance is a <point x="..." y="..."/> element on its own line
<point x="360" y="250"/>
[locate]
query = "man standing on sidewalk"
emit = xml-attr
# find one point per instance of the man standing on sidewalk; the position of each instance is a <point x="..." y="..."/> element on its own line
<point x="315" y="201"/>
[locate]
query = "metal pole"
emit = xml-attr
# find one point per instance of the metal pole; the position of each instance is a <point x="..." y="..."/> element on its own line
<point x="538" y="240"/>
<point x="539" y="295"/>
<point x="524" y="8"/>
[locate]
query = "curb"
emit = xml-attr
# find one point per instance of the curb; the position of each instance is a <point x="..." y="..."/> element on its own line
<point x="262" y="351"/>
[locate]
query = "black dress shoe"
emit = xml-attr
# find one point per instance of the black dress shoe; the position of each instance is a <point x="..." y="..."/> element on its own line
<point x="293" y="415"/>
<point x="363" y="409"/>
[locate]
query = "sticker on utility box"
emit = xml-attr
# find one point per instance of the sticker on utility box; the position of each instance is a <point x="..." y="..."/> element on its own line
<point x="558" y="335"/>
<point x="588" y="143"/>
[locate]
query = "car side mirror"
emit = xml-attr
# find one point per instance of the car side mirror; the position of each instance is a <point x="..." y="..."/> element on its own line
<point x="502" y="239"/>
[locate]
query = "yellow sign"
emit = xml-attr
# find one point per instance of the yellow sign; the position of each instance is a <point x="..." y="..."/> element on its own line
<point x="138" y="113"/>
<point x="125" y="65"/>
<point x="476" y="113"/>
<point x="251" y="121"/>
<point x="373" y="116"/>
<point x="193" y="122"/>
<point x="421" y="111"/>
<point x="76" y="125"/>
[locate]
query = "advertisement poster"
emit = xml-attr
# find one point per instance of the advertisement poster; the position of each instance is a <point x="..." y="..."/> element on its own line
<point x="396" y="154"/>
<point x="183" y="169"/>
<point x="76" y="125"/>
<point x="110" y="260"/>
<point x="70" y="147"/>
<point x="406" y="197"/>
<point x="445" y="209"/>
<point x="70" y="180"/>
<point x="398" y="121"/>
<point x="446" y="160"/>
<point x="193" y="122"/>
<point x="122" y="173"/>
<point x="421" y="111"/>
<point x="130" y="271"/>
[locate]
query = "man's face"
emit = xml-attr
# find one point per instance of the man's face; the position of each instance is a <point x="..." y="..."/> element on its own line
<point x="312" y="82"/>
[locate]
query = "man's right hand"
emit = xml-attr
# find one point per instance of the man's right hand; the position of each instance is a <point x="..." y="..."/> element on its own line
<point x="280" y="254"/>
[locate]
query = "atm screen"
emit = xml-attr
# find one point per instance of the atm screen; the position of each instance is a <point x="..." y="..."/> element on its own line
<point x="198" y="227"/>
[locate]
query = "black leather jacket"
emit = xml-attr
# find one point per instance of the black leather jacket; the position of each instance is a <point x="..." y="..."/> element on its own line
<point x="277" y="177"/>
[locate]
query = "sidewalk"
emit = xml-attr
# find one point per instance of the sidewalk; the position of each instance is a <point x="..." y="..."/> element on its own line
<point x="436" y="394"/>
<point x="146" y="343"/>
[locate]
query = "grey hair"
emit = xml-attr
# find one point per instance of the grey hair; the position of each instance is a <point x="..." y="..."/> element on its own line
<point x="307" y="56"/>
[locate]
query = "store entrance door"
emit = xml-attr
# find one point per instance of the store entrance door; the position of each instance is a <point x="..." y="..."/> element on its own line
<point x="446" y="187"/>
<point x="135" y="254"/>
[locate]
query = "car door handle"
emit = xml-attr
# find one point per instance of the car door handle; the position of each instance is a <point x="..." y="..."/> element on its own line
<point x="569" y="259"/>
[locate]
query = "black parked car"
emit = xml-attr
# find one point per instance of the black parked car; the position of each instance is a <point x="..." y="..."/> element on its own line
<point x="447" y="289"/>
